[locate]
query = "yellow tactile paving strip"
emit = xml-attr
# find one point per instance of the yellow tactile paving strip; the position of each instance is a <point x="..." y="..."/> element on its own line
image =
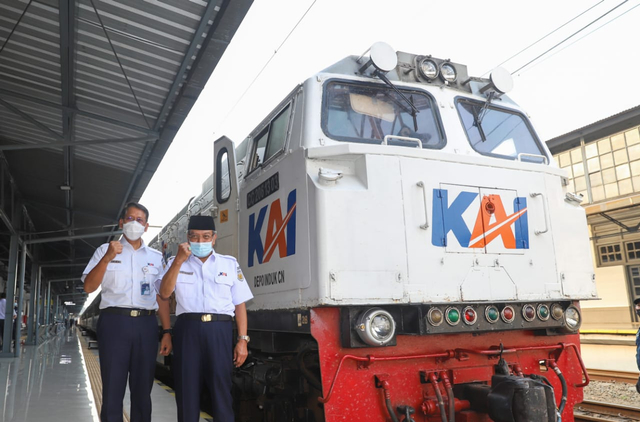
<point x="93" y="369"/>
<point x="203" y="415"/>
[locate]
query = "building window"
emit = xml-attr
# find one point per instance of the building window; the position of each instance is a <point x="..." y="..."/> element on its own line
<point x="610" y="253"/>
<point x="635" y="280"/>
<point x="633" y="250"/>
<point x="611" y="166"/>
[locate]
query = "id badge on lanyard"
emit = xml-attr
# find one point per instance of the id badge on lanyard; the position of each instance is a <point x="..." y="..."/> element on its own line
<point x="145" y="286"/>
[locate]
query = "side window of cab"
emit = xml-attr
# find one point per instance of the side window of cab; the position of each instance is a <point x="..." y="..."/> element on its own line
<point x="270" y="141"/>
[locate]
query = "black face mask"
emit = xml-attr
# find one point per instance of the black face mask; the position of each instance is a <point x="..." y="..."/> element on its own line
<point x="638" y="312"/>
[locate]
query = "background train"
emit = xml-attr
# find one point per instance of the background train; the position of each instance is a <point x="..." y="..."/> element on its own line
<point x="413" y="252"/>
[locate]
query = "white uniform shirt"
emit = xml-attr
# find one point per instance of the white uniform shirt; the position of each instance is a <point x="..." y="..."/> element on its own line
<point x="129" y="281"/>
<point x="215" y="286"/>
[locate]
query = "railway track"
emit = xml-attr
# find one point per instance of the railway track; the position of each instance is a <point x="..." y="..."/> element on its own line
<point x="617" y="376"/>
<point x="600" y="411"/>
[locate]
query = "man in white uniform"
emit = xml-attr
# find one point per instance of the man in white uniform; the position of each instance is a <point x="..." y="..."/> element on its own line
<point x="127" y="328"/>
<point x="210" y="289"/>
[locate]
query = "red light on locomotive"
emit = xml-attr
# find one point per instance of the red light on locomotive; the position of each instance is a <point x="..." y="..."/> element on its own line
<point x="508" y="314"/>
<point x="470" y="315"/>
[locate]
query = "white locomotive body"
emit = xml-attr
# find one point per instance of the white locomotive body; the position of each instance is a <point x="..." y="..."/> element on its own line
<point x="386" y="199"/>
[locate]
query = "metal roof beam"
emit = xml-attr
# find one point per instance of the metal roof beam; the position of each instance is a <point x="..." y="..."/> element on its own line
<point x="24" y="12"/>
<point x="75" y="111"/>
<point x="77" y="264"/>
<point x="106" y="33"/>
<point x="57" y="280"/>
<point x="211" y="8"/>
<point x="66" y="28"/>
<point x="31" y="120"/>
<point x="72" y="237"/>
<point x="197" y="39"/>
<point x="80" y="211"/>
<point x="69" y="143"/>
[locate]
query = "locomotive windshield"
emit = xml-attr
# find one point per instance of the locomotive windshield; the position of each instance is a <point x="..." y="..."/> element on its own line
<point x="367" y="113"/>
<point x="499" y="132"/>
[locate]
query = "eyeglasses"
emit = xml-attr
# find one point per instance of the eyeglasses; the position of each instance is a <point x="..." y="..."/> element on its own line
<point x="197" y="237"/>
<point x="131" y="218"/>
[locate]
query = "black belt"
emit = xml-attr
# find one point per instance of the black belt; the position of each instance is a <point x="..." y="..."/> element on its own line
<point x="129" y="311"/>
<point x="207" y="317"/>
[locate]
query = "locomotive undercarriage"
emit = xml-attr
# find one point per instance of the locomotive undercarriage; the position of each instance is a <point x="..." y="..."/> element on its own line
<point x="304" y="373"/>
<point x="280" y="380"/>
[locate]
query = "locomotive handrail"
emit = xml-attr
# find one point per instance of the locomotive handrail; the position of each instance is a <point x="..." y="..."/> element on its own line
<point x="525" y="154"/>
<point x="544" y="211"/>
<point x="562" y="346"/>
<point x="370" y="359"/>
<point x="459" y="354"/>
<point x="424" y="226"/>
<point x="402" y="138"/>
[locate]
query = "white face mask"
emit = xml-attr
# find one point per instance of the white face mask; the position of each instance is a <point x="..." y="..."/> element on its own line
<point x="133" y="230"/>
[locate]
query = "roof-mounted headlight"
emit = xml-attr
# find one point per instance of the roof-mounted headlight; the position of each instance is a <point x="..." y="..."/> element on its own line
<point x="376" y="327"/>
<point x="448" y="72"/>
<point x="428" y="68"/>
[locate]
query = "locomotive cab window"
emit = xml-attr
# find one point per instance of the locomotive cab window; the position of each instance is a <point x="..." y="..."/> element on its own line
<point x="223" y="178"/>
<point x="271" y="140"/>
<point x="367" y="113"/>
<point x="499" y="132"/>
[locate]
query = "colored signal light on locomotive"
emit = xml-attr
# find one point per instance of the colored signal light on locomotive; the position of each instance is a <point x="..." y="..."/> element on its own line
<point x="453" y="316"/>
<point x="470" y="315"/>
<point x="556" y="311"/>
<point x="529" y="312"/>
<point x="376" y="327"/>
<point x="543" y="312"/>
<point x="435" y="317"/>
<point x="508" y="314"/>
<point x="428" y="69"/>
<point x="492" y="314"/>
<point x="448" y="72"/>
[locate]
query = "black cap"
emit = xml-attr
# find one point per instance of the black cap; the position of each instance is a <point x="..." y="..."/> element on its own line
<point x="637" y="301"/>
<point x="201" y="222"/>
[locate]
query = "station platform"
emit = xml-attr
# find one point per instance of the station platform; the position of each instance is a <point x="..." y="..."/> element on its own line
<point x="57" y="381"/>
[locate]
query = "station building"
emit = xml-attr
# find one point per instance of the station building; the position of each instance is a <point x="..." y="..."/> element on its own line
<point x="603" y="165"/>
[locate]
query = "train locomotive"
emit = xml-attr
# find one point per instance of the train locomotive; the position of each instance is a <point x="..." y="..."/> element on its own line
<point x="413" y="252"/>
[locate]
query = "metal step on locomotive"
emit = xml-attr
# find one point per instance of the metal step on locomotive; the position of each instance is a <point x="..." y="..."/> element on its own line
<point x="414" y="254"/>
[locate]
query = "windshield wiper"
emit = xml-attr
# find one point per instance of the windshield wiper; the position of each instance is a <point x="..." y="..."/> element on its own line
<point x="415" y="110"/>
<point x="477" y="122"/>
<point x="485" y="107"/>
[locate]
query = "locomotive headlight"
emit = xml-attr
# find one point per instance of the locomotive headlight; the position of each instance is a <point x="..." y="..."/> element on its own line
<point x="448" y="72"/>
<point x="376" y="327"/>
<point x="572" y="318"/>
<point x="428" y="69"/>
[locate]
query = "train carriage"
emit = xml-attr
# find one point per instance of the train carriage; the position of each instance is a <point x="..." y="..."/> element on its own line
<point x="413" y="252"/>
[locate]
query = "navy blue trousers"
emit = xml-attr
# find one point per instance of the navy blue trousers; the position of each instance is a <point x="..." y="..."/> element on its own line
<point x="128" y="347"/>
<point x="203" y="353"/>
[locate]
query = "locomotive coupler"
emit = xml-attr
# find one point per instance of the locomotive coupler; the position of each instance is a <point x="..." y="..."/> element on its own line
<point x="513" y="399"/>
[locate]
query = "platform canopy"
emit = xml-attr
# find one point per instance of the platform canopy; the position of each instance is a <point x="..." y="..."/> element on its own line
<point x="92" y="93"/>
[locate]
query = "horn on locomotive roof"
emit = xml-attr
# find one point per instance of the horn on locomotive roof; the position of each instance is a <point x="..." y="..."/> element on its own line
<point x="500" y="83"/>
<point x="382" y="56"/>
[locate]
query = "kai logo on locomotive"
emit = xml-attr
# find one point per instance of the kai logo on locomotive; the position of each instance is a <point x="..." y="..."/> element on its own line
<point x="280" y="231"/>
<point x="492" y="221"/>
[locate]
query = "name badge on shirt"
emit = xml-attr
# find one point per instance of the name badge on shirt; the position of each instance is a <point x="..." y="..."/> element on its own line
<point x="186" y="273"/>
